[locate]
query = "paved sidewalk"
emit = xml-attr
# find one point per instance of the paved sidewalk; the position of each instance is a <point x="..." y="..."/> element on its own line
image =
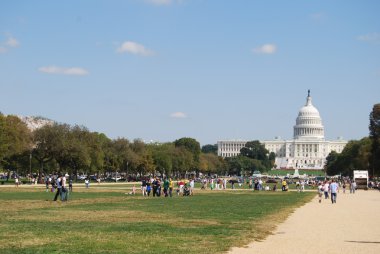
<point x="350" y="226"/>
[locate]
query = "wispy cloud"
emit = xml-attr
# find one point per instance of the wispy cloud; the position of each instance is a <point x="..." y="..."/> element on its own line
<point x="371" y="37"/>
<point x="12" y="42"/>
<point x="74" y="71"/>
<point x="265" y="49"/>
<point x="178" y="115"/>
<point x="134" y="48"/>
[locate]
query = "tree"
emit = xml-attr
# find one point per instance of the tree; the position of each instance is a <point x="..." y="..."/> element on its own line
<point x="354" y="156"/>
<point x="211" y="163"/>
<point x="3" y="141"/>
<point x="210" y="149"/>
<point x="331" y="166"/>
<point x="182" y="161"/>
<point x="243" y="164"/>
<point x="255" y="150"/>
<point x="191" y="145"/>
<point x="15" y="139"/>
<point x="76" y="151"/>
<point x="374" y="134"/>
<point x="145" y="164"/>
<point x="42" y="141"/>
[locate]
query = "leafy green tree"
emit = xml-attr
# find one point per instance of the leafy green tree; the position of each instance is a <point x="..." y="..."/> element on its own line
<point x="15" y="138"/>
<point x="3" y="140"/>
<point x="191" y="145"/>
<point x="354" y="156"/>
<point x="240" y="164"/>
<point x="97" y="155"/>
<point x="182" y="161"/>
<point x="210" y="149"/>
<point x="162" y="157"/>
<point x="43" y="146"/>
<point x="76" y="151"/>
<point x="374" y="134"/>
<point x="255" y="150"/>
<point x="331" y="166"/>
<point x="211" y="164"/>
<point x="144" y="164"/>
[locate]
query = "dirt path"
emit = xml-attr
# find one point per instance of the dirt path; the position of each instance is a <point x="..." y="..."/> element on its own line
<point x="350" y="226"/>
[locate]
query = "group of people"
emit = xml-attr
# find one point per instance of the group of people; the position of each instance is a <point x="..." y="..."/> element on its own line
<point x="165" y="187"/>
<point x="59" y="185"/>
<point x="330" y="189"/>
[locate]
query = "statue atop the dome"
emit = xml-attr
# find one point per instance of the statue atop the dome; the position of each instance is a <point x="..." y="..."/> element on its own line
<point x="308" y="93"/>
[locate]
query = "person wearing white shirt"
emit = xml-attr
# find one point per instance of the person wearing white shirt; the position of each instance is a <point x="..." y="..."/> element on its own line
<point x="326" y="189"/>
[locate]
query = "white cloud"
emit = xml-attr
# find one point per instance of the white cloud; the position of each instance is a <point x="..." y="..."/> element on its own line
<point x="75" y="71"/>
<point x="3" y="49"/>
<point x="178" y="115"/>
<point x="265" y="49"/>
<point x="134" y="48"/>
<point x="371" y="37"/>
<point x="12" y="42"/>
<point x="159" y="2"/>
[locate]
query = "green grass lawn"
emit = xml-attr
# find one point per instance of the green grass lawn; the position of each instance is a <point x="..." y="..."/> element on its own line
<point x="109" y="221"/>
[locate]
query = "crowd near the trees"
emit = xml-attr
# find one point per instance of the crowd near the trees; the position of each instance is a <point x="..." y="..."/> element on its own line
<point x="76" y="150"/>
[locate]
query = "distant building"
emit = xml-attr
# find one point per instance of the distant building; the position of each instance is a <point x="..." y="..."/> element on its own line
<point x="308" y="148"/>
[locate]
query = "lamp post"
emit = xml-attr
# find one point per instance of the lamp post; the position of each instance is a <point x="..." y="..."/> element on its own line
<point x="30" y="164"/>
<point x="127" y="171"/>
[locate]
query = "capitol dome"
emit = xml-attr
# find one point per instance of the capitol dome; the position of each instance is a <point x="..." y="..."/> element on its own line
<point x="309" y="122"/>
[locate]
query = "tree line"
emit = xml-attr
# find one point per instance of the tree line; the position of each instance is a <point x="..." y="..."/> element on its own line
<point x="361" y="154"/>
<point x="75" y="150"/>
<point x="60" y="147"/>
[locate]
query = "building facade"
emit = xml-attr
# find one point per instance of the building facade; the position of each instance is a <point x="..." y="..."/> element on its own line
<point x="308" y="149"/>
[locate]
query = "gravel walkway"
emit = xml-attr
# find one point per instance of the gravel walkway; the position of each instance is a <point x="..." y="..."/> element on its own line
<point x="350" y="226"/>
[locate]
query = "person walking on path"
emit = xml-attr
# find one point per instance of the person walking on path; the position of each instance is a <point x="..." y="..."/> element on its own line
<point x="352" y="187"/>
<point x="59" y="187"/>
<point x="344" y="187"/>
<point x="320" y="192"/>
<point x="64" y="191"/>
<point x="326" y="188"/>
<point x="334" y="188"/>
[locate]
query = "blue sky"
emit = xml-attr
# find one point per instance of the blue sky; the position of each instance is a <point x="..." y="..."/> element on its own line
<point x="165" y="69"/>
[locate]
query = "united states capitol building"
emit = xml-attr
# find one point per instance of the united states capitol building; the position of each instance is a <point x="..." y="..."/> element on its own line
<point x="308" y="149"/>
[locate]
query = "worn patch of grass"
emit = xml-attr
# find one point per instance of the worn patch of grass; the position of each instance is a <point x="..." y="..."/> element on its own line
<point x="94" y="221"/>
